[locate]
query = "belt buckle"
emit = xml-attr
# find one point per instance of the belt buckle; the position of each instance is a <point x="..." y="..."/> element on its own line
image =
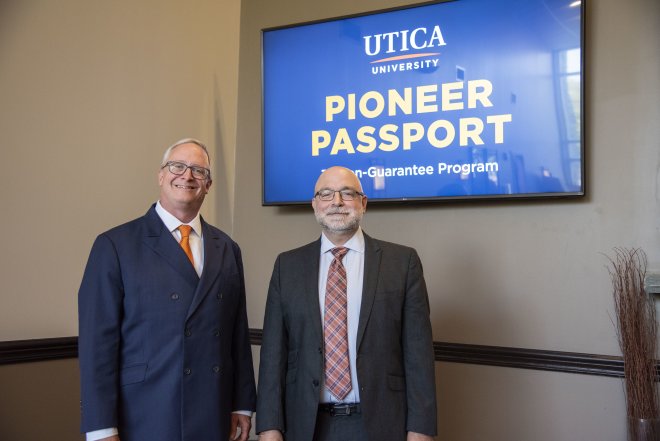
<point x="340" y="410"/>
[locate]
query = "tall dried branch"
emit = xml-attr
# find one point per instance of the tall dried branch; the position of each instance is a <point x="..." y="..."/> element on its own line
<point x="636" y="330"/>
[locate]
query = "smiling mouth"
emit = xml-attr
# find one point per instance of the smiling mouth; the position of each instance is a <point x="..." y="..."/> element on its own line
<point x="185" y="187"/>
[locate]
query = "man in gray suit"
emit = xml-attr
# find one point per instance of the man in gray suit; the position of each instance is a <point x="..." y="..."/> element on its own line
<point x="347" y="352"/>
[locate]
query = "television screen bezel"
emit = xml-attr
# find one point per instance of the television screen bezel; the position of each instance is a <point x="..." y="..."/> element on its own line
<point x="568" y="195"/>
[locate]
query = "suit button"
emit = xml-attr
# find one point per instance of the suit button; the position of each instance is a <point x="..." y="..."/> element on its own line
<point x="187" y="371"/>
<point x="188" y="332"/>
<point x="216" y="369"/>
<point x="216" y="332"/>
<point x="320" y="350"/>
<point x="315" y="383"/>
<point x="219" y="296"/>
<point x="174" y="296"/>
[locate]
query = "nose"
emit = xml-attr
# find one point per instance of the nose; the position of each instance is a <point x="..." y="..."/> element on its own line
<point x="336" y="199"/>
<point x="188" y="174"/>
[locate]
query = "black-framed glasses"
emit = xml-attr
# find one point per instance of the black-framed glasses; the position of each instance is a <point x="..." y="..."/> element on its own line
<point x="179" y="168"/>
<point x="346" y="195"/>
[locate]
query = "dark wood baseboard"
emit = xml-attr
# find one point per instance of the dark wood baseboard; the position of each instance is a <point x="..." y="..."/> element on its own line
<point x="23" y="351"/>
<point x="41" y="349"/>
<point x="536" y="359"/>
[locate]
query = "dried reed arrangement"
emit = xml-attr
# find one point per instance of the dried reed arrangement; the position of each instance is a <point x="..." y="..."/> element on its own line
<point x="637" y="331"/>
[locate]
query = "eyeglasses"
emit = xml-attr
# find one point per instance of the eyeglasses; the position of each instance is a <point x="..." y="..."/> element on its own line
<point x="179" y="168"/>
<point x="346" y="195"/>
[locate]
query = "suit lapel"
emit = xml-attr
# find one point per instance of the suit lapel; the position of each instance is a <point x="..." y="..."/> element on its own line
<point x="214" y="248"/>
<point x="310" y="269"/>
<point x="372" y="256"/>
<point x="161" y="241"/>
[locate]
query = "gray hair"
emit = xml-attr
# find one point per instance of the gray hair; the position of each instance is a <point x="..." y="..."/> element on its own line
<point x="184" y="141"/>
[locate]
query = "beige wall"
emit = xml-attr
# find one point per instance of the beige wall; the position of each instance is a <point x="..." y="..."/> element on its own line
<point x="92" y="93"/>
<point x="520" y="274"/>
<point x="40" y="401"/>
<point x="523" y="274"/>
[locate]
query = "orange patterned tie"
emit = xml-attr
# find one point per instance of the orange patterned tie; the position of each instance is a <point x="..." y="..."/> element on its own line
<point x="185" y="241"/>
<point x="337" y="369"/>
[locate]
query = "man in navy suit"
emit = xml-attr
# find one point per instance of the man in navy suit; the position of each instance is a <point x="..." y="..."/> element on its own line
<point x="164" y="349"/>
<point x="347" y="352"/>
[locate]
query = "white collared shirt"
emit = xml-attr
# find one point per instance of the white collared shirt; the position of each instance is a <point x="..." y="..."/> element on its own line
<point x="354" y="263"/>
<point x="196" y="239"/>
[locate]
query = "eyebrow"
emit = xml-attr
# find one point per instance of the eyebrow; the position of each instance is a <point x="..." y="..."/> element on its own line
<point x="341" y="189"/>
<point x="189" y="165"/>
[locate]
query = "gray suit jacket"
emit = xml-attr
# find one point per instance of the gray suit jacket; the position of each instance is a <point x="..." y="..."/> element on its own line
<point x="395" y="361"/>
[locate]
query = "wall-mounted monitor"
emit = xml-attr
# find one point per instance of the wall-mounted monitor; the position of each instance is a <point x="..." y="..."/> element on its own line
<point x="438" y="101"/>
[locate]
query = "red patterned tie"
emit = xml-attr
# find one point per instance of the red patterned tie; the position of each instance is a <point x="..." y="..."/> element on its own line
<point x="337" y="369"/>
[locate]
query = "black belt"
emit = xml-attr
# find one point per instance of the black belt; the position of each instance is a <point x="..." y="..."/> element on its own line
<point x="340" y="409"/>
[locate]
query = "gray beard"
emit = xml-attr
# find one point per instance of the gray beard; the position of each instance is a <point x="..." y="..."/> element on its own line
<point x="351" y="224"/>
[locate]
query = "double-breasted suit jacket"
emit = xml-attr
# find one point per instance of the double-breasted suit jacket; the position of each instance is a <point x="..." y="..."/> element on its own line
<point x="395" y="361"/>
<point x="164" y="354"/>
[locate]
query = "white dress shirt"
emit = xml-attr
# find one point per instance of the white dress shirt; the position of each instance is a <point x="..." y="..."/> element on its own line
<point x="196" y="240"/>
<point x="354" y="263"/>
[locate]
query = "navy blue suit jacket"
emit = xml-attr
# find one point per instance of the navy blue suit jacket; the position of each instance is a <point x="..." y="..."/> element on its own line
<point x="164" y="354"/>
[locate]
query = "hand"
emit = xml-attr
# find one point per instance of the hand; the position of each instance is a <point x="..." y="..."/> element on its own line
<point x="244" y="423"/>
<point x="414" y="436"/>
<point x="271" y="435"/>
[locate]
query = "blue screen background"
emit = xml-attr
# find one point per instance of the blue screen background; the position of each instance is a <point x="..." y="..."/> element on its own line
<point x="529" y="50"/>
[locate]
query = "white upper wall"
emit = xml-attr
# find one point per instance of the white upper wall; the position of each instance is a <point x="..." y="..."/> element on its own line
<point x="92" y="93"/>
<point x="528" y="274"/>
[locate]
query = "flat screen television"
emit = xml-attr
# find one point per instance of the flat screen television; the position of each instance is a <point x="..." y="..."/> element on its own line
<point x="462" y="99"/>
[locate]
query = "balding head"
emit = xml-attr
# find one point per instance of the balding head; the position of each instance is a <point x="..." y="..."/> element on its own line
<point x="338" y="178"/>
<point x="341" y="215"/>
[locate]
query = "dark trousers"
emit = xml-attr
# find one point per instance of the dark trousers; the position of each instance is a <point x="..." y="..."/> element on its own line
<point x="339" y="428"/>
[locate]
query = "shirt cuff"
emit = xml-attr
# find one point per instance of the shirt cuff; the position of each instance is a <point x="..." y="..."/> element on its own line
<point x="244" y="412"/>
<point x="100" y="434"/>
